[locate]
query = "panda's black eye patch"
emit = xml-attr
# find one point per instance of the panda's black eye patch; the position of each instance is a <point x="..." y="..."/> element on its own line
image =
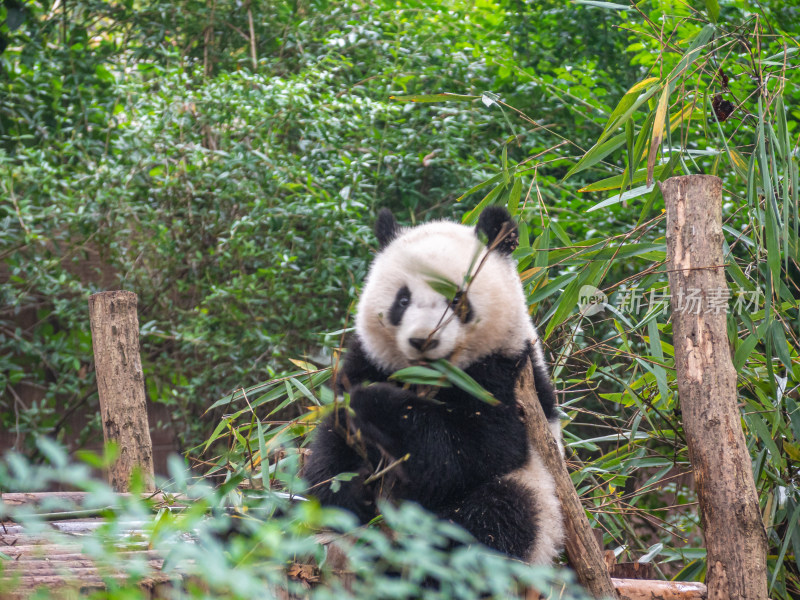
<point x="401" y="301"/>
<point x="461" y="306"/>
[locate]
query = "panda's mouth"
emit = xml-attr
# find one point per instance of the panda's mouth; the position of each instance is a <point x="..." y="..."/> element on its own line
<point x="428" y="356"/>
<point x="424" y="361"/>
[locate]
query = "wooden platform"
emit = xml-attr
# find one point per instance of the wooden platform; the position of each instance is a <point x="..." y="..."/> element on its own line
<point x="53" y="558"/>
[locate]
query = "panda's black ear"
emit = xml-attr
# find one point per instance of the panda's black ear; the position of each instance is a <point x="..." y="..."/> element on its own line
<point x="386" y="227"/>
<point x="495" y="222"/>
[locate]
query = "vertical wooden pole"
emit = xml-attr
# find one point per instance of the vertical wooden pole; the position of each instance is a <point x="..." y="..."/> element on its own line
<point x="585" y="555"/>
<point x="736" y="542"/>
<point x="120" y="383"/>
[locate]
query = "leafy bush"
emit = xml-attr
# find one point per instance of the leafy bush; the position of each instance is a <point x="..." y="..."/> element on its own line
<point x="211" y="553"/>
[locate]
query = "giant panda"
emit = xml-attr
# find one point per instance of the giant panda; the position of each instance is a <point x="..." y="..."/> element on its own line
<point x="457" y="456"/>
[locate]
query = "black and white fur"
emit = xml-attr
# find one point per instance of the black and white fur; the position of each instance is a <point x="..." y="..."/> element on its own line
<point x="467" y="461"/>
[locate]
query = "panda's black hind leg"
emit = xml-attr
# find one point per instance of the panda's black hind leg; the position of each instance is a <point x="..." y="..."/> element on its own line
<point x="499" y="514"/>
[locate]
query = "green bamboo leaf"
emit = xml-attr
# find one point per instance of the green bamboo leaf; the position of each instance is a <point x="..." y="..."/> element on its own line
<point x="660" y="175"/>
<point x="796" y="544"/>
<point x="600" y="4"/>
<point x="794" y="417"/>
<point x="223" y="424"/>
<point x="784" y="140"/>
<point x="472" y="216"/>
<point x="560" y="233"/>
<point x="541" y="246"/>
<point x="760" y="428"/>
<point x="791" y="527"/>
<point x="615" y="182"/>
<point x="778" y="59"/>
<point x="595" y="154"/>
<point x="304" y="390"/>
<point x="575" y="251"/>
<point x="659" y="125"/>
<point x="514" y="196"/>
<point x="590" y="275"/>
<point x="617" y="198"/>
<point x="262" y="451"/>
<point x="506" y="176"/>
<point x="442" y="285"/>
<point x="631" y="166"/>
<point x="524" y="242"/>
<point x="693" y="52"/>
<point x="652" y="552"/>
<point x="552" y="287"/>
<point x="712" y="6"/>
<point x="629" y="104"/>
<point x="780" y="345"/>
<point x="419" y="375"/>
<point x="657" y="353"/>
<point x="743" y="351"/>
<point x="480" y="186"/>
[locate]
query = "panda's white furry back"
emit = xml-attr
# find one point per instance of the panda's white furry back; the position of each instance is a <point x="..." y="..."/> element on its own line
<point x="468" y="461"/>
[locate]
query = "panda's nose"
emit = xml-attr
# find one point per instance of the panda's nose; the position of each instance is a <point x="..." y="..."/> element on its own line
<point x="423" y="344"/>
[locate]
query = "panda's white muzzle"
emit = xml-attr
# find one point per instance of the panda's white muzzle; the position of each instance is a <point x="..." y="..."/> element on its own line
<point x="427" y="333"/>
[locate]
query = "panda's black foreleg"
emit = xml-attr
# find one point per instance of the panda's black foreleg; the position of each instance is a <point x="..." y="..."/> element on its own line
<point x="333" y="453"/>
<point x="542" y="382"/>
<point x="447" y="446"/>
<point x="499" y="515"/>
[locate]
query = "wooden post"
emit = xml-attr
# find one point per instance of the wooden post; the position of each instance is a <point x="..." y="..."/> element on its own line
<point x="120" y="383"/>
<point x="736" y="542"/>
<point x="583" y="551"/>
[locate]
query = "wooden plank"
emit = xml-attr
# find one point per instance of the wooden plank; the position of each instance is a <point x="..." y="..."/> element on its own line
<point x="74" y="568"/>
<point x="642" y="589"/>
<point x="24" y="558"/>
<point x="78" y="498"/>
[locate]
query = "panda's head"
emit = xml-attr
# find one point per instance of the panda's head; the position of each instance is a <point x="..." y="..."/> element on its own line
<point x="402" y="318"/>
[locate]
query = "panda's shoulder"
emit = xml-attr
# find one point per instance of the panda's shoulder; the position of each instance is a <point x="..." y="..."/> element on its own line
<point x="358" y="367"/>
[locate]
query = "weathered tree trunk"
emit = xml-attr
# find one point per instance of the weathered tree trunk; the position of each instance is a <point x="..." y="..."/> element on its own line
<point x="583" y="551"/>
<point x="120" y="383"/>
<point x="735" y="538"/>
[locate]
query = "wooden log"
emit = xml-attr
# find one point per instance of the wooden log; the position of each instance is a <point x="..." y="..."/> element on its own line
<point x="77" y="568"/>
<point x="78" y="499"/>
<point x="642" y="589"/>
<point x="22" y="588"/>
<point x="735" y="538"/>
<point x="76" y="526"/>
<point x="120" y="383"/>
<point x="54" y="553"/>
<point x="583" y="551"/>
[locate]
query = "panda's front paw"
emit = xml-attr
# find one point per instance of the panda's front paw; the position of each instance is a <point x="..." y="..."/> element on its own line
<point x="379" y="400"/>
<point x="381" y="407"/>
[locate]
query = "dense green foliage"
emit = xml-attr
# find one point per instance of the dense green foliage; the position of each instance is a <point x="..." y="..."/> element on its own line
<point x="228" y="544"/>
<point x="230" y="180"/>
<point x="225" y="196"/>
